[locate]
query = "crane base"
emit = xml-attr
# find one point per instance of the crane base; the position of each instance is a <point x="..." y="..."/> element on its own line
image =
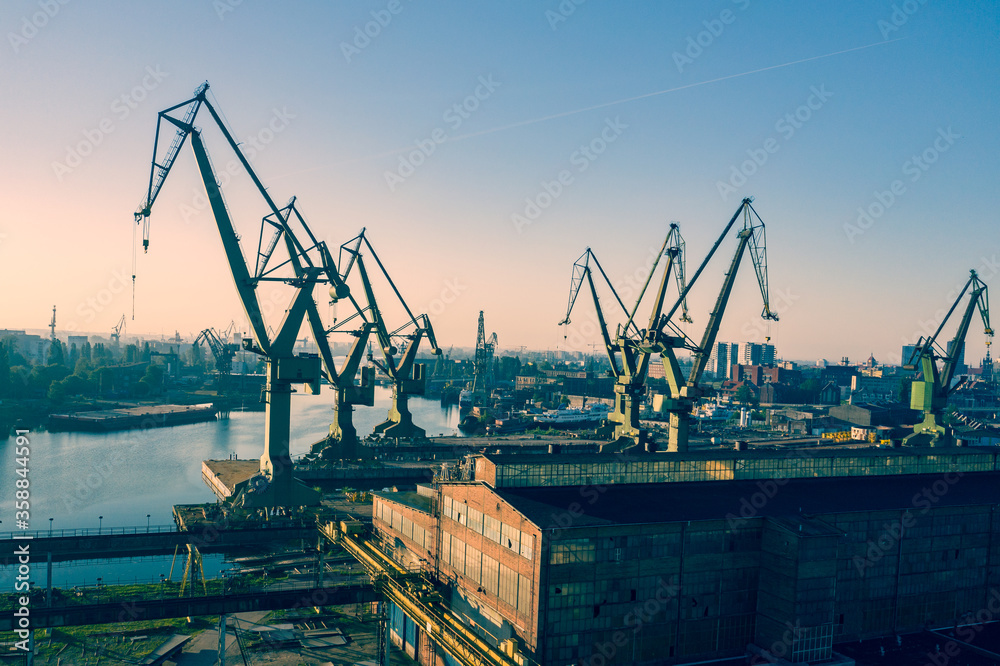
<point x="343" y="448"/>
<point x="930" y="432"/>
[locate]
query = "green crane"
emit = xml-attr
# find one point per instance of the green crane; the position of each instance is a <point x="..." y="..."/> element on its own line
<point x="630" y="349"/>
<point x="684" y="392"/>
<point x="399" y="346"/>
<point x="310" y="265"/>
<point x="930" y="393"/>
<point x="222" y="351"/>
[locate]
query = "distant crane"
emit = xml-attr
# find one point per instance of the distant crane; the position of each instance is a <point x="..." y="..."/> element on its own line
<point x="930" y="393"/>
<point x="222" y="351"/>
<point x="117" y="330"/>
<point x="683" y="394"/>
<point x="310" y="265"/>
<point x="630" y="349"/>
<point x="483" y="378"/>
<point x="227" y="333"/>
<point x="399" y="346"/>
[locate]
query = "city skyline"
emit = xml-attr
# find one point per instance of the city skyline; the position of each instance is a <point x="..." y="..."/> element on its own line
<point x="483" y="164"/>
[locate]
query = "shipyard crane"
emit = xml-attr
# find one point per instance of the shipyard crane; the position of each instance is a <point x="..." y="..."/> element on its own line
<point x="342" y="440"/>
<point x="630" y="349"/>
<point x="222" y="351"/>
<point x="116" y="331"/>
<point x="684" y="393"/>
<point x="483" y="376"/>
<point x="227" y="334"/>
<point x="929" y="394"/>
<point x="399" y="346"/>
<point x="274" y="484"/>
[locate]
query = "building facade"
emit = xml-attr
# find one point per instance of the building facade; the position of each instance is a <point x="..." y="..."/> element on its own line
<point x="724" y="356"/>
<point x="757" y="354"/>
<point x="678" y="558"/>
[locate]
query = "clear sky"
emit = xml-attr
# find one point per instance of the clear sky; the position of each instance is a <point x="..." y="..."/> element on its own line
<point x="647" y="111"/>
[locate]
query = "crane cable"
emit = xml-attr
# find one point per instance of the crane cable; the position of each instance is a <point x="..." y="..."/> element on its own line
<point x="133" y="270"/>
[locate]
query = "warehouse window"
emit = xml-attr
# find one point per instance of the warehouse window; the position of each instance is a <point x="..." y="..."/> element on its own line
<point x="473" y="564"/>
<point x="508" y="585"/>
<point x="448" y="507"/>
<point x="458" y="555"/>
<point x="523" y="594"/>
<point x="460" y="512"/>
<point x="406" y="527"/>
<point x="526" y="550"/>
<point x="510" y="538"/>
<point x="475" y="520"/>
<point x="491" y="528"/>
<point x="418" y="535"/>
<point x="572" y="551"/>
<point x="446" y="548"/>
<point x="491" y="575"/>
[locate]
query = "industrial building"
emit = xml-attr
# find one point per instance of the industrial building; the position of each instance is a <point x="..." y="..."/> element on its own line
<point x="677" y="558"/>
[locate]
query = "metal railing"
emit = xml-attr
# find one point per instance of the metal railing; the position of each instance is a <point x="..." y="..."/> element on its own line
<point x="124" y="591"/>
<point x="153" y="529"/>
<point x="87" y="531"/>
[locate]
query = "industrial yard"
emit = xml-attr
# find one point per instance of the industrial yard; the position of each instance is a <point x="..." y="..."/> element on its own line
<point x="291" y="371"/>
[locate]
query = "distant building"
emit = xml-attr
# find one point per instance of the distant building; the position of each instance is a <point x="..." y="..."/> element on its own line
<point x="724" y="357"/>
<point x="865" y="388"/>
<point x="907" y="354"/>
<point x="829" y="394"/>
<point x="78" y="340"/>
<point x="757" y="354"/>
<point x="839" y="374"/>
<point x="762" y="374"/>
<point x="875" y="415"/>
<point x="656" y="369"/>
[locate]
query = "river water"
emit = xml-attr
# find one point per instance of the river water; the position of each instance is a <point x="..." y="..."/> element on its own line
<point x="75" y="478"/>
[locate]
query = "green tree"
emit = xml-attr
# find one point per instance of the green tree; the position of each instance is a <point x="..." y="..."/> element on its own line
<point x="153" y="378"/>
<point x="100" y="355"/>
<point x="42" y="376"/>
<point x="5" y="385"/>
<point x="71" y="385"/>
<point x="82" y="368"/>
<point x="14" y="355"/>
<point x="56" y="354"/>
<point x="744" y="396"/>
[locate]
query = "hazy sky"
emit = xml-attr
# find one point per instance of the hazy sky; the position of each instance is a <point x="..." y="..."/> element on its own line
<point x="438" y="126"/>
